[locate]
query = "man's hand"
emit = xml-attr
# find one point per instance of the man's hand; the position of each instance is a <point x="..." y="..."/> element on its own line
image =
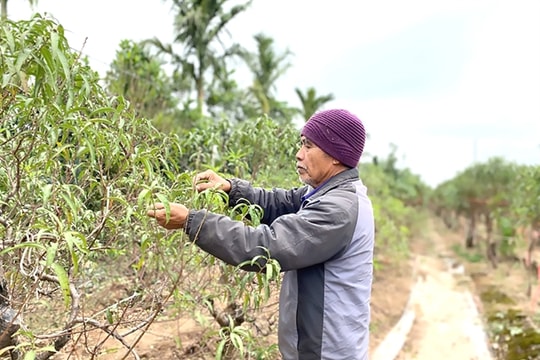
<point x="177" y="219"/>
<point x="208" y="180"/>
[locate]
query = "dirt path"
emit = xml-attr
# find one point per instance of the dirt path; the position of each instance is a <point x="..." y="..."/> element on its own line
<point x="447" y="324"/>
<point x="441" y="320"/>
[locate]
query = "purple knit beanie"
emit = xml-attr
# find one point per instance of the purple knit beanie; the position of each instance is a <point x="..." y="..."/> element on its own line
<point x="338" y="133"/>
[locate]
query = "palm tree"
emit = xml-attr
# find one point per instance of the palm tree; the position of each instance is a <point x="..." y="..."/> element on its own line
<point x="3" y="7"/>
<point x="198" y="26"/>
<point x="267" y="67"/>
<point x="311" y="102"/>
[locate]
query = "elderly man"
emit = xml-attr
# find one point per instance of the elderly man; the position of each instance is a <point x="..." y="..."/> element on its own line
<point x="322" y="234"/>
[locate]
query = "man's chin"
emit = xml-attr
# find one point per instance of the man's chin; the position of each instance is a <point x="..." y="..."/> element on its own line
<point x="304" y="180"/>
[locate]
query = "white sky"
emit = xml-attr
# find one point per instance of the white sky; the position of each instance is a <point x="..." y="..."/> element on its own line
<point x="448" y="81"/>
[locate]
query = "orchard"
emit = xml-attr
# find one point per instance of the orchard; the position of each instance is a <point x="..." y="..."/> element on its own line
<point x="81" y="265"/>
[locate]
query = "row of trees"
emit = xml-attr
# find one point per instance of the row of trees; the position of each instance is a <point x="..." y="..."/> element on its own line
<point x="202" y="76"/>
<point x="179" y="83"/>
<point x="500" y="195"/>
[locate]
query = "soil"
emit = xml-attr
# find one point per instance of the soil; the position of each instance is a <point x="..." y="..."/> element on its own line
<point x="390" y="293"/>
<point x="441" y="288"/>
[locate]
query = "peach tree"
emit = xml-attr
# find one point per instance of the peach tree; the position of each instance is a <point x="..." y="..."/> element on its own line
<point x="78" y="169"/>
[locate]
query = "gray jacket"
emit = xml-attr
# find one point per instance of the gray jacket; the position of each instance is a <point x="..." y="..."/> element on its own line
<point x="323" y="240"/>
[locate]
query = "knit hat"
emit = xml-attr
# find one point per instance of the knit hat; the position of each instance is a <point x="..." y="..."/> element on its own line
<point x="338" y="133"/>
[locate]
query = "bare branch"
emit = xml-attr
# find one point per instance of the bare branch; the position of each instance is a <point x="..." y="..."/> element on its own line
<point x="63" y="339"/>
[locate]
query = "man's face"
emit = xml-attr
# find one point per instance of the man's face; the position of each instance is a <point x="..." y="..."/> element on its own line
<point x="313" y="165"/>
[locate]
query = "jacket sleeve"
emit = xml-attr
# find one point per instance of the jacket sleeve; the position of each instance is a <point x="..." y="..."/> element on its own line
<point x="312" y="235"/>
<point x="275" y="202"/>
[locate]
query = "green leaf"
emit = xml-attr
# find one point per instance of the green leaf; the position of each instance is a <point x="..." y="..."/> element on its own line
<point x="8" y="35"/>
<point x="220" y="348"/>
<point x="163" y="199"/>
<point x="237" y="342"/>
<point x="76" y="240"/>
<point x="22" y="246"/>
<point x="269" y="272"/>
<point x="30" y="355"/>
<point x="109" y="316"/>
<point x="21" y="59"/>
<point x="51" y="254"/>
<point x="61" y="57"/>
<point x="46" y="191"/>
<point x="64" y="282"/>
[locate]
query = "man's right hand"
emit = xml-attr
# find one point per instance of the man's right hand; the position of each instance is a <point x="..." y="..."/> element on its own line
<point x="209" y="179"/>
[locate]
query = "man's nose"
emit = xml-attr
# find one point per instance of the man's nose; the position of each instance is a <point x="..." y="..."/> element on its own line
<point x="300" y="154"/>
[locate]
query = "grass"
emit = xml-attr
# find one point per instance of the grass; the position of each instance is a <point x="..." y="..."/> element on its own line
<point x="472" y="256"/>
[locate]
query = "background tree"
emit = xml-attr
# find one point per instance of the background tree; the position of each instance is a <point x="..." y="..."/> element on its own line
<point x="267" y="67"/>
<point x="311" y="102"/>
<point x="198" y="26"/>
<point x="139" y="77"/>
<point x="445" y="203"/>
<point x="485" y="194"/>
<point x="226" y="100"/>
<point x="404" y="184"/>
<point x="525" y="205"/>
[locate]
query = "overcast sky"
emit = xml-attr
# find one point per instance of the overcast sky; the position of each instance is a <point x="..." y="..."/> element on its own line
<point x="449" y="82"/>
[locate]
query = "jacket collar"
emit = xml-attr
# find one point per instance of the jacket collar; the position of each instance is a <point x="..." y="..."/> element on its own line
<point x="343" y="177"/>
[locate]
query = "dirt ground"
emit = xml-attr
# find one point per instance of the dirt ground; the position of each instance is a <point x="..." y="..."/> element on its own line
<point x="180" y="338"/>
<point x="453" y="301"/>
<point x="390" y="293"/>
<point x="448" y="320"/>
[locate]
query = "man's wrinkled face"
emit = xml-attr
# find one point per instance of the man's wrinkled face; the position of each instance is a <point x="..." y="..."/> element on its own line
<point x="313" y="165"/>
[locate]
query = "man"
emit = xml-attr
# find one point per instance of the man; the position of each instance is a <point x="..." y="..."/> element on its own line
<point x="322" y="234"/>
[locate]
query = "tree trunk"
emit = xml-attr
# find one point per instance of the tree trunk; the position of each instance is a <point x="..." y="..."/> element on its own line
<point x="469" y="241"/>
<point x="3" y="9"/>
<point x="531" y="266"/>
<point x="490" y="241"/>
<point x="233" y="312"/>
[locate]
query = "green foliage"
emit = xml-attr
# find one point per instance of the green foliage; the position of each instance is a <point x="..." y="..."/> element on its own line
<point x="199" y="25"/>
<point x="496" y="190"/>
<point x="225" y="99"/>
<point x="486" y="184"/>
<point x="267" y="67"/>
<point x="138" y="76"/>
<point x="244" y="292"/>
<point x="73" y="163"/>
<point x="515" y="338"/>
<point x="202" y="68"/>
<point x="393" y="219"/>
<point x="404" y="185"/>
<point x="243" y="149"/>
<point x="472" y="257"/>
<point x="311" y="103"/>
<point x="525" y="194"/>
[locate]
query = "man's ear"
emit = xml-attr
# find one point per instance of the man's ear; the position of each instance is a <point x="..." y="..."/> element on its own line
<point x="335" y="162"/>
